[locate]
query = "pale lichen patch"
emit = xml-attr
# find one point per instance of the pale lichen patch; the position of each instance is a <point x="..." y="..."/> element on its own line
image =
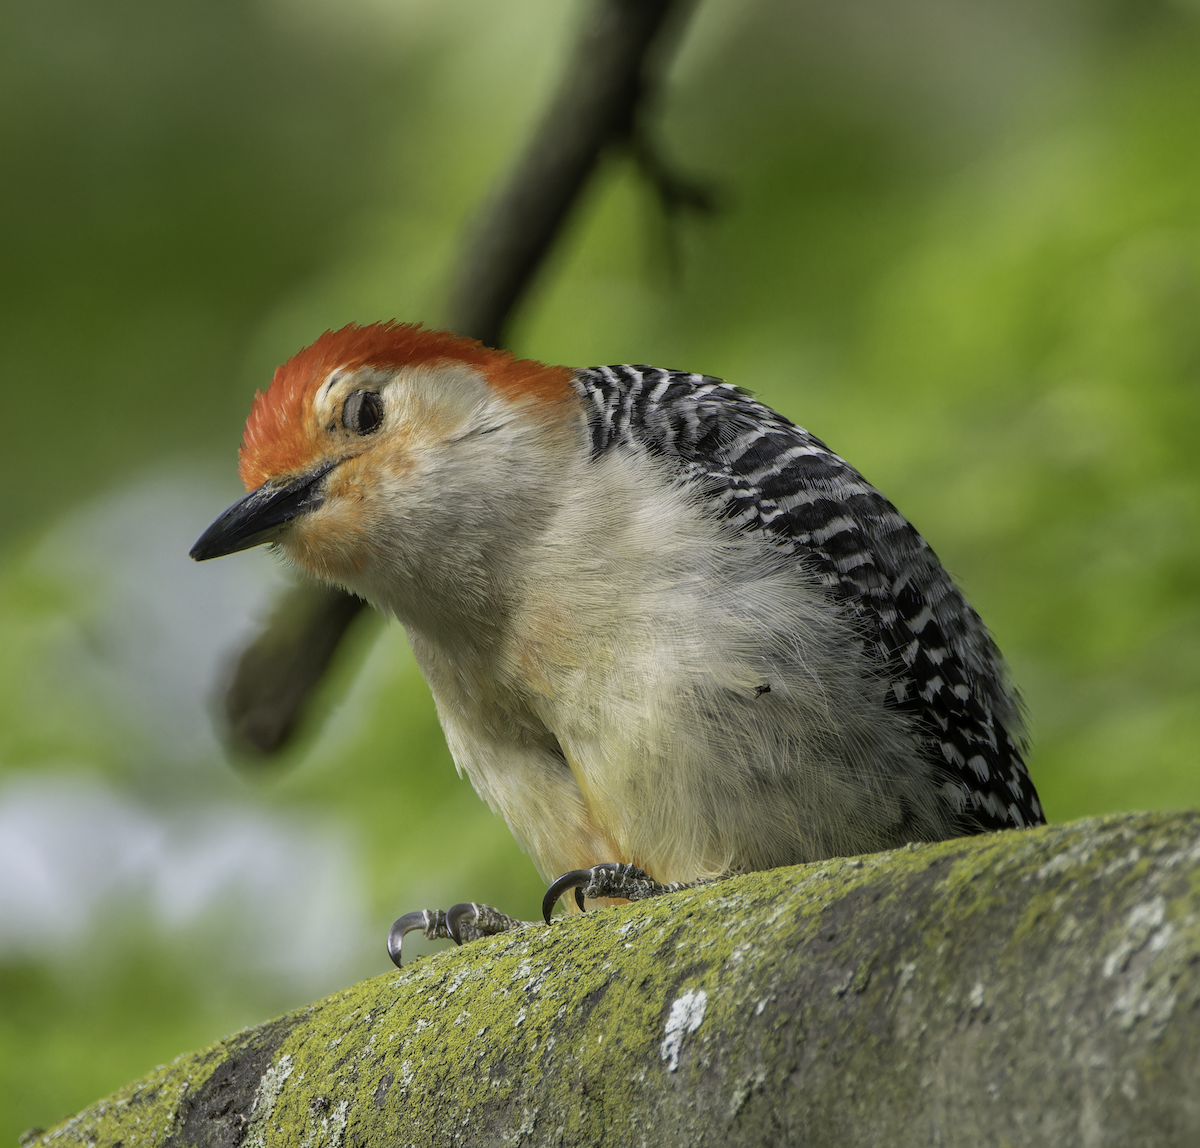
<point x="686" y="1016"/>
<point x="265" y="1099"/>
<point x="1141" y="922"/>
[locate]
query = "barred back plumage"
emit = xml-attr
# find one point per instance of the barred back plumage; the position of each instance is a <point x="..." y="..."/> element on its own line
<point x="764" y="473"/>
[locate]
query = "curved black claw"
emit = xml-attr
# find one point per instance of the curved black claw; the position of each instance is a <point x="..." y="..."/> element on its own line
<point x="422" y="919"/>
<point x="612" y="879"/>
<point x="466" y="921"/>
<point x="577" y="879"/>
<point x="454" y="916"/>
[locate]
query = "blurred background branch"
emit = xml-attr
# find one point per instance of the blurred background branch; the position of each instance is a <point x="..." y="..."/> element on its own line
<point x="598" y="105"/>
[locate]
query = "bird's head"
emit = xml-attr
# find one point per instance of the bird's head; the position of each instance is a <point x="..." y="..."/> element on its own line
<point x="371" y="445"/>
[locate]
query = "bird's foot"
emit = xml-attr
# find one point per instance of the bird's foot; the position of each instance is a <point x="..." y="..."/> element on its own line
<point x="463" y="922"/>
<point x="611" y="880"/>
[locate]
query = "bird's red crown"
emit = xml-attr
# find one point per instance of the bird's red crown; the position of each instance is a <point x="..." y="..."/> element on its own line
<point x="280" y="437"/>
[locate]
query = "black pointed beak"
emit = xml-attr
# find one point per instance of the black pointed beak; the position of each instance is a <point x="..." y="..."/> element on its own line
<point x="258" y="516"/>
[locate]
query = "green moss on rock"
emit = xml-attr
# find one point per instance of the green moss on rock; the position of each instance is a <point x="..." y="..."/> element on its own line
<point x="1017" y="988"/>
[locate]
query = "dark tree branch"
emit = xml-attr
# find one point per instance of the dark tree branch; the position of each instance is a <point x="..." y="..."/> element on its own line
<point x="676" y="191"/>
<point x="597" y="105"/>
<point x="274" y="676"/>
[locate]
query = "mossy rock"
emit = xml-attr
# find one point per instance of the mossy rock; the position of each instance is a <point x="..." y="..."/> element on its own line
<point x="1037" y="987"/>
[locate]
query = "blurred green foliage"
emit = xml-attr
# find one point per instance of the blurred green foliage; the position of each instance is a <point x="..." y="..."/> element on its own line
<point x="960" y="242"/>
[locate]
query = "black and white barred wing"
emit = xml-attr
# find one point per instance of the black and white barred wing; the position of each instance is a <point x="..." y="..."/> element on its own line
<point x="768" y="474"/>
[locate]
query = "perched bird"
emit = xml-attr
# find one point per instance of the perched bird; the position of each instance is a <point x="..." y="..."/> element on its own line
<point x="670" y="634"/>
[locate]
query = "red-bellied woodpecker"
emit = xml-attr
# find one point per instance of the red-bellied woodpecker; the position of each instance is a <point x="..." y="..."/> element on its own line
<point x="665" y="627"/>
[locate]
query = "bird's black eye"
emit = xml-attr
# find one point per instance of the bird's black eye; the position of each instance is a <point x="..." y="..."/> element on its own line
<point x="363" y="412"/>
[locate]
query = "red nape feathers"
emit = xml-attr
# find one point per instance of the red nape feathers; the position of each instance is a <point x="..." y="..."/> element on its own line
<point x="280" y="435"/>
